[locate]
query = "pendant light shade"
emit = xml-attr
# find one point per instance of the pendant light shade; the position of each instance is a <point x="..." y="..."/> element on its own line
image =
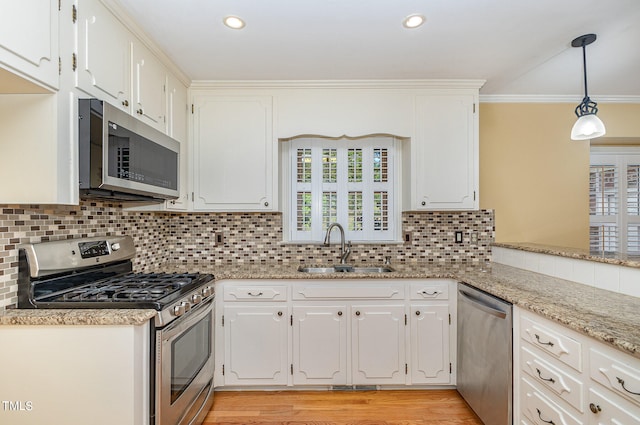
<point x="588" y="126"/>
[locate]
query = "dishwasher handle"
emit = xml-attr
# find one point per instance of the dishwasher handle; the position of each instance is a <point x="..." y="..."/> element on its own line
<point x="477" y="302"/>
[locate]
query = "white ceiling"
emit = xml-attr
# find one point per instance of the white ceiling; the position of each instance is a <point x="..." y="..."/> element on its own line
<point x="520" y="47"/>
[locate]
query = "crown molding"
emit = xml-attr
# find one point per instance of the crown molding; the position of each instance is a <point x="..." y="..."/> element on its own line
<point x="337" y="84"/>
<point x="534" y="98"/>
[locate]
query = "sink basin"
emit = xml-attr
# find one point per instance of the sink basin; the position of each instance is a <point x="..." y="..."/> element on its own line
<point x="345" y="269"/>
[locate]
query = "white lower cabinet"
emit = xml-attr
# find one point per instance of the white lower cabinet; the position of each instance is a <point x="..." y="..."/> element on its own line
<point x="256" y="345"/>
<point x="320" y="345"/>
<point x="565" y="378"/>
<point x="377" y="344"/>
<point x="353" y="332"/>
<point x="430" y="359"/>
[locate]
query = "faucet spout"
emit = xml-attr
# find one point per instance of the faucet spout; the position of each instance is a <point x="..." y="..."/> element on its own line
<point x="344" y="253"/>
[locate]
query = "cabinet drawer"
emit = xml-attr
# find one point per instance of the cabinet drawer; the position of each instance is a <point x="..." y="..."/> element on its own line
<point x="255" y="293"/>
<point x="612" y="410"/>
<point x="555" y="380"/>
<point x="622" y="376"/>
<point x="363" y="291"/>
<point x="541" y="410"/>
<point x="429" y="291"/>
<point x="552" y="342"/>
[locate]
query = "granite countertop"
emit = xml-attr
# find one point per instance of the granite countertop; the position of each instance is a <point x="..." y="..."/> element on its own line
<point x="101" y="317"/>
<point x="576" y="253"/>
<point x="606" y="316"/>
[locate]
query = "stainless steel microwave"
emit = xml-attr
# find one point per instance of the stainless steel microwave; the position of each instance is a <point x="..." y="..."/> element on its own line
<point x="122" y="158"/>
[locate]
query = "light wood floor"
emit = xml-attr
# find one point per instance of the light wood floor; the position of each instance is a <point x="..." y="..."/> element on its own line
<point x="411" y="407"/>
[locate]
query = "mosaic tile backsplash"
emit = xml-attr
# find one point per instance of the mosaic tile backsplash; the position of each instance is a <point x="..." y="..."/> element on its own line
<point x="255" y="238"/>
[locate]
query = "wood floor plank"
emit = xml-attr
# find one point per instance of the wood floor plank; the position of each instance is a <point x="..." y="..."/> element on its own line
<point x="410" y="407"/>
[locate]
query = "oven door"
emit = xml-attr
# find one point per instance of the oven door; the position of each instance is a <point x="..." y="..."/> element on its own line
<point x="184" y="367"/>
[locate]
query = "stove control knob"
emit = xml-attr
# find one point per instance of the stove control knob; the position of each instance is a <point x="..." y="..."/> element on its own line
<point x="206" y="292"/>
<point x="196" y="299"/>
<point x="186" y="305"/>
<point x="115" y="246"/>
<point x="178" y="310"/>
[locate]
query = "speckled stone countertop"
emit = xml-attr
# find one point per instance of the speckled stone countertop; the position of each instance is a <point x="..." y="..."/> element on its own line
<point x="606" y="316"/>
<point x="115" y="317"/>
<point x="580" y="254"/>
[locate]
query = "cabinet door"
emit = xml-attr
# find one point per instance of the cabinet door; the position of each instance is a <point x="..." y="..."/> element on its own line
<point x="256" y="345"/>
<point x="445" y="154"/>
<point x="378" y="344"/>
<point x="177" y="128"/>
<point x="104" y="55"/>
<point x="29" y="39"/>
<point x="149" y="82"/>
<point x="233" y="153"/>
<point x="430" y="362"/>
<point x="320" y="345"/>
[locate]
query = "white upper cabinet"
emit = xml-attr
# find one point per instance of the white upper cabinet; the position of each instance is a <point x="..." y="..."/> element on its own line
<point x="104" y="55"/>
<point x="177" y="109"/>
<point x="233" y="153"/>
<point x="177" y="128"/>
<point x="444" y="155"/>
<point x="149" y="83"/>
<point x="29" y="40"/>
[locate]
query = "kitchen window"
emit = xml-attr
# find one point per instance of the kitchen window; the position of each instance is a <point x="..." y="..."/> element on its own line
<point x="614" y="200"/>
<point x="348" y="181"/>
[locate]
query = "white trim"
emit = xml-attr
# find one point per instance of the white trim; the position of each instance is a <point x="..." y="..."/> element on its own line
<point x="337" y="84"/>
<point x="542" y="98"/>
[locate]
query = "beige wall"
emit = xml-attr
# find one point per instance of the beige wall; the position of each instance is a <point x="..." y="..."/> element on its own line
<point x="534" y="176"/>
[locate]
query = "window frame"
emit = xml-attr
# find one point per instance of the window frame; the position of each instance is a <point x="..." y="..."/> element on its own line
<point x="620" y="158"/>
<point x="288" y="185"/>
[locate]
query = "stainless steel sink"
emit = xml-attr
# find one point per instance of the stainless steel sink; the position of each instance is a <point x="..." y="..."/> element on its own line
<point x="345" y="269"/>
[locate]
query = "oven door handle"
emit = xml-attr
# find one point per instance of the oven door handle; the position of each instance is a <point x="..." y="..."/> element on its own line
<point x="187" y="320"/>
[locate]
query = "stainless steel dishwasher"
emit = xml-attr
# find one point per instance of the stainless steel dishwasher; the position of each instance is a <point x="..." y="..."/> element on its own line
<point x="485" y="337"/>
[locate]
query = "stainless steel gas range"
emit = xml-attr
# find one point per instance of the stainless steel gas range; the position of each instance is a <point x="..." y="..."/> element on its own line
<point x="96" y="273"/>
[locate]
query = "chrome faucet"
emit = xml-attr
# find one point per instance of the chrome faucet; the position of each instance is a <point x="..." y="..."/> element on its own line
<point x="344" y="253"/>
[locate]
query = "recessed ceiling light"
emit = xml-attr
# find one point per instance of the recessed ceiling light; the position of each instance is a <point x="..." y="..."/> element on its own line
<point x="413" y="21"/>
<point x="233" y="22"/>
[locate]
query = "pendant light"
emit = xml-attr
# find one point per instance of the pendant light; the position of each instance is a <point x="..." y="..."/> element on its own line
<point x="588" y="126"/>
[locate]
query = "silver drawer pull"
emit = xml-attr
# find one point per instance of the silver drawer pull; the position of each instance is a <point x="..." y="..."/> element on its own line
<point x="430" y="293"/>
<point x="621" y="382"/>
<point x="550" y="344"/>
<point x="540" y="416"/>
<point x="255" y="294"/>
<point x="545" y="379"/>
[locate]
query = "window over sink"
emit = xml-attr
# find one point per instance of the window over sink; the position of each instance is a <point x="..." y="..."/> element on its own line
<point x="351" y="181"/>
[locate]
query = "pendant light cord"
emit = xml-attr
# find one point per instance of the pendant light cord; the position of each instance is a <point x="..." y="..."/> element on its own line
<point x="584" y="67"/>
